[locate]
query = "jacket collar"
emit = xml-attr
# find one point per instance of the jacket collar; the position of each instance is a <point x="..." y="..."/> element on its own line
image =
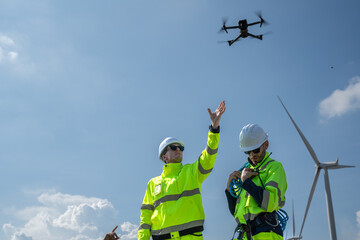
<point x="267" y="155"/>
<point x="171" y="169"/>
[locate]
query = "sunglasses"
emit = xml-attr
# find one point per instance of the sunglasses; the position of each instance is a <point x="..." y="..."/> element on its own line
<point x="174" y="147"/>
<point x="254" y="151"/>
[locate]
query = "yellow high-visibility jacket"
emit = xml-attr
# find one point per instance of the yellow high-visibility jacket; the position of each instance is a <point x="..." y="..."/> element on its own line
<point x="273" y="177"/>
<point x="172" y="201"/>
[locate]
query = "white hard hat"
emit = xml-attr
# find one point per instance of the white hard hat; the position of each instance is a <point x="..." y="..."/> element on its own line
<point x="251" y="137"/>
<point x="166" y="142"/>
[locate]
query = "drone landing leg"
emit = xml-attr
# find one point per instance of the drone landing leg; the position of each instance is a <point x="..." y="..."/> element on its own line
<point x="232" y="41"/>
<point x="255" y="36"/>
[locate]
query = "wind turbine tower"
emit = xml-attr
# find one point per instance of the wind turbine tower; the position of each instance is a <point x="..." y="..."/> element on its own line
<point x="318" y="166"/>
<point x="293" y="234"/>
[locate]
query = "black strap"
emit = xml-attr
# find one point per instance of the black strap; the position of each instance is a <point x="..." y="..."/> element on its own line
<point x="181" y="233"/>
<point x="266" y="222"/>
<point x="265" y="218"/>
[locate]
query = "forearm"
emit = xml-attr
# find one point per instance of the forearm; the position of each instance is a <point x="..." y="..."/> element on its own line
<point x="231" y="202"/>
<point x="270" y="199"/>
<point x="208" y="155"/>
<point x="145" y="225"/>
<point x="275" y="188"/>
<point x="255" y="191"/>
<point x="146" y="211"/>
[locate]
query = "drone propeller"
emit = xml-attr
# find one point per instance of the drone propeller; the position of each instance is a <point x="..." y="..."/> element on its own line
<point x="229" y="42"/>
<point x="262" y="21"/>
<point x="223" y="28"/>
<point x="261" y="36"/>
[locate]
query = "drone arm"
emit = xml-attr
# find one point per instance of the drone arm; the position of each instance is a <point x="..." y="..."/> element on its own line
<point x="255" y="36"/>
<point x="250" y="24"/>
<point x="231" y="27"/>
<point x="232" y="41"/>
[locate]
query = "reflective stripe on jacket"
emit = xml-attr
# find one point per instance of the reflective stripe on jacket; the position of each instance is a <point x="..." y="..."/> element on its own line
<point x="273" y="177"/>
<point x="172" y="201"/>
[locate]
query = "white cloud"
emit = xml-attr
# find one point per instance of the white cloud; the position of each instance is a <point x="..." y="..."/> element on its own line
<point x="1" y="54"/>
<point x="63" y="216"/>
<point x="130" y="229"/>
<point x="13" y="56"/>
<point x="7" y="49"/>
<point x="4" y="40"/>
<point x="21" y="236"/>
<point x="341" y="102"/>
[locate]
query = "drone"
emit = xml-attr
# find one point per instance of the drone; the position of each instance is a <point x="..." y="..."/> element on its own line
<point x="243" y="26"/>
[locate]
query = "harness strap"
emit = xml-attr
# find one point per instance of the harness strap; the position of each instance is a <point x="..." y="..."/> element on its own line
<point x="181" y="233"/>
<point x="242" y="230"/>
<point x="265" y="221"/>
<point x="266" y="218"/>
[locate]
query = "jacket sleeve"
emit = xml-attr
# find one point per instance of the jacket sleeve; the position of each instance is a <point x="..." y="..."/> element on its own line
<point x="205" y="163"/>
<point x="273" y="197"/>
<point x="255" y="191"/>
<point x="231" y="202"/>
<point x="147" y="209"/>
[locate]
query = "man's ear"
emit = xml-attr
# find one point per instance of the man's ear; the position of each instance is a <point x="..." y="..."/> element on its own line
<point x="163" y="157"/>
<point x="266" y="144"/>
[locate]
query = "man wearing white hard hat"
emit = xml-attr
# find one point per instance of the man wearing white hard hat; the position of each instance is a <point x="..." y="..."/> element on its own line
<point x="172" y="206"/>
<point x="256" y="192"/>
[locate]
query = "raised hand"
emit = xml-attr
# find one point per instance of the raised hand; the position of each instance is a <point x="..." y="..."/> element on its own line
<point x="215" y="116"/>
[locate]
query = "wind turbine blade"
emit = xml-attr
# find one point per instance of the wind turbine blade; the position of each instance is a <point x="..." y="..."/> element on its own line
<point x="310" y="197"/>
<point x="342" y="166"/>
<point x="293" y="214"/>
<point x="307" y="144"/>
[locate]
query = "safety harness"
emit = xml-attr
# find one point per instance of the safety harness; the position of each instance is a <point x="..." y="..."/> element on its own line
<point x="265" y="219"/>
<point x="242" y="230"/>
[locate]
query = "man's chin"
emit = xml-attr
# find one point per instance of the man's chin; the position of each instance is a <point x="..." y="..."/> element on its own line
<point x="176" y="160"/>
<point x="254" y="160"/>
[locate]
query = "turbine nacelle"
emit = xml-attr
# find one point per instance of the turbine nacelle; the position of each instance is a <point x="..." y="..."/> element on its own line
<point x="332" y="165"/>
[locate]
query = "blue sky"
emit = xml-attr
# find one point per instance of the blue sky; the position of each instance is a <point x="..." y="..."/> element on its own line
<point x="89" y="89"/>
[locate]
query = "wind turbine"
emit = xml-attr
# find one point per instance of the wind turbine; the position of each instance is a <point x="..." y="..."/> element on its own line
<point x="293" y="215"/>
<point x="318" y="165"/>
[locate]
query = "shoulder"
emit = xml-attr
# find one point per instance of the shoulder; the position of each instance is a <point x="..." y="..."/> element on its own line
<point x="275" y="162"/>
<point x="271" y="163"/>
<point x="188" y="166"/>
